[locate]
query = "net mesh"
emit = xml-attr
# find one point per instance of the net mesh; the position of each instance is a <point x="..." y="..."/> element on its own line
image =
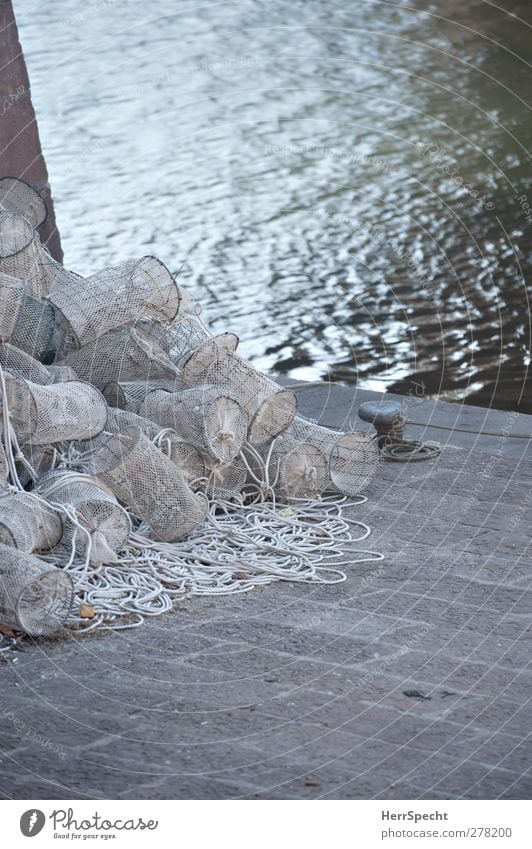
<point x="54" y="413"/>
<point x="28" y="523"/>
<point x="185" y="335"/>
<point x="129" y="395"/>
<point x="61" y="374"/>
<point x="185" y="456"/>
<point x="270" y="409"/>
<point x="17" y="196"/>
<point x="35" y="597"/>
<point x="352" y="457"/>
<point x="41" y="459"/>
<point x="205" y="417"/>
<point x="114" y="297"/>
<point x="96" y="509"/>
<point x="298" y="469"/>
<point x="22" y="365"/>
<point x="22" y="255"/>
<point x="182" y="336"/>
<point x="25" y="321"/>
<point x="121" y="355"/>
<point x="148" y="484"/>
<point x="35" y="330"/>
<point x="224" y="479"/>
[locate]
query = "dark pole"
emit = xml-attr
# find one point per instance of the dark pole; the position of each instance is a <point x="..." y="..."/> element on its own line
<point x="20" y="147"/>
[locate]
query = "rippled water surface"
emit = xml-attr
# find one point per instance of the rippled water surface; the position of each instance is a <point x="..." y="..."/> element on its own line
<point x="343" y="182"/>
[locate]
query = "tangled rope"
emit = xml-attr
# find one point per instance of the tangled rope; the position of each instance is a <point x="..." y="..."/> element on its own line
<point x="242" y="545"/>
<point x="246" y="541"/>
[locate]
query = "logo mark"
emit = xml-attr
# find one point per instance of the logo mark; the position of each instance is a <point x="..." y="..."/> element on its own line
<point x="32" y="822"/>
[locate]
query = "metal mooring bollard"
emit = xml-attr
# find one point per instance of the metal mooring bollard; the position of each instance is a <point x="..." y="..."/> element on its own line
<point x="386" y="417"/>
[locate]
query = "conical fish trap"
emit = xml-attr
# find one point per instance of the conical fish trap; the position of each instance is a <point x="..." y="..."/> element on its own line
<point x="270" y="409"/>
<point x="184" y="335"/>
<point x="96" y="509"/>
<point x="298" y="469"/>
<point x="352" y="457"/>
<point x="22" y="255"/>
<point x="35" y="330"/>
<point x="54" y="413"/>
<point x="28" y="523"/>
<point x="115" y="297"/>
<point x="129" y="395"/>
<point x="17" y="196"/>
<point x="149" y="485"/>
<point x="195" y="365"/>
<point x="205" y="417"/>
<point x="22" y="365"/>
<point x="122" y="355"/>
<point x="183" y="454"/>
<point x="35" y="597"/>
<point x="27" y="322"/>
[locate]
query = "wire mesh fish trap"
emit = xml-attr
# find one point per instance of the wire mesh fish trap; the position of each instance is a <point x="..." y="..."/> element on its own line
<point x="121" y="355"/>
<point x="35" y="597"/>
<point x="204" y="416"/>
<point x="295" y="469"/>
<point x="28" y="523"/>
<point x="96" y="509"/>
<point x="148" y="484"/>
<point x="182" y="453"/>
<point x="35" y="330"/>
<point x="129" y="395"/>
<point x="22" y="255"/>
<point x="17" y="196"/>
<point x="270" y="408"/>
<point x="25" y="321"/>
<point x="352" y="457"/>
<point x="22" y="365"/>
<point x="88" y="308"/>
<point x="58" y="412"/>
<point x="224" y="479"/>
<point x="184" y="335"/>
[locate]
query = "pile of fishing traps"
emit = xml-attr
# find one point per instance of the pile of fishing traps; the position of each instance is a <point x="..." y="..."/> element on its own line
<point x="142" y="458"/>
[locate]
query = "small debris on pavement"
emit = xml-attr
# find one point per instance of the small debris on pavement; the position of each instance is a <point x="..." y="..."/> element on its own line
<point x="87" y="611"/>
<point x="415" y="694"/>
<point x="240" y="576"/>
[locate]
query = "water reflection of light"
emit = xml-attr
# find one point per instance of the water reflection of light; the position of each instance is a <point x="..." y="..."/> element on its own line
<point x="283" y="152"/>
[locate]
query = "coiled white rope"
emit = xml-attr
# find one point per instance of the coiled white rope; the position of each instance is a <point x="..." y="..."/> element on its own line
<point x="246" y="541"/>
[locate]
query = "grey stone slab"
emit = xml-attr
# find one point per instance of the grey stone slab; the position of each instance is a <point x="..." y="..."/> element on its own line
<point x="409" y="680"/>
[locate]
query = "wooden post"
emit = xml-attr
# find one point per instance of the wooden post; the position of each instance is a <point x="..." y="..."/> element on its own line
<point x="20" y="147"/>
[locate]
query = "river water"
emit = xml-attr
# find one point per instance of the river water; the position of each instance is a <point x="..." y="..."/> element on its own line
<point x="345" y="184"/>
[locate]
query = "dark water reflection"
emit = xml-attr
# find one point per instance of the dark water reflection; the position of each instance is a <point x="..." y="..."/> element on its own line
<point x="341" y="179"/>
